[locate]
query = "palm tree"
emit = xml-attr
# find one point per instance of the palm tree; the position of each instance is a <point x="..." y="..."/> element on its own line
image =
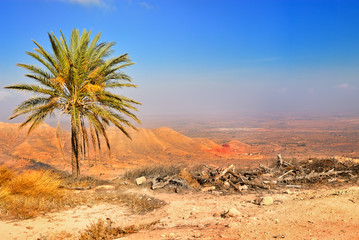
<point x="76" y="80"/>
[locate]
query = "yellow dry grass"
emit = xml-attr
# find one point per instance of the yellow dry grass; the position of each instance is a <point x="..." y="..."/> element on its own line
<point x="184" y="174"/>
<point x="5" y="174"/>
<point x="140" y="203"/>
<point x="29" y="193"/>
<point x="103" y="230"/>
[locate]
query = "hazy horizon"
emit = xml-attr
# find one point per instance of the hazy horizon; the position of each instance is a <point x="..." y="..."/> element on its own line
<point x="205" y="58"/>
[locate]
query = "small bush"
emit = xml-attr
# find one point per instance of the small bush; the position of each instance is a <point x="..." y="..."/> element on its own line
<point x="140" y="203"/>
<point x="84" y="181"/>
<point x="184" y="174"/>
<point x="5" y="174"/>
<point x="151" y="171"/>
<point x="99" y="230"/>
<point x="104" y="231"/>
<point x="29" y="193"/>
<point x="35" y="184"/>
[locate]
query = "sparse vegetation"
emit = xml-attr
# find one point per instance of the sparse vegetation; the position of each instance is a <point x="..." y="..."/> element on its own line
<point x="186" y="175"/>
<point x="140" y="203"/>
<point x="29" y="193"/>
<point x="151" y="171"/>
<point x="103" y="230"/>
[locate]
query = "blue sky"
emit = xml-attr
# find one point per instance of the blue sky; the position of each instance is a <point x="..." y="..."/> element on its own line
<point x="198" y="57"/>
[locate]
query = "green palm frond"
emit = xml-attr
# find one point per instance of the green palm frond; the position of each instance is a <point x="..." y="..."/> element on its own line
<point x="76" y="78"/>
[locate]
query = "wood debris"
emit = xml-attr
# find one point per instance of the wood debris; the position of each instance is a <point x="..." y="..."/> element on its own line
<point x="284" y="174"/>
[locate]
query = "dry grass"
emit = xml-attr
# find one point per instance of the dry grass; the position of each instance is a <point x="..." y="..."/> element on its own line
<point x="186" y="175"/>
<point x="104" y="231"/>
<point x="151" y="171"/>
<point x="34" y="192"/>
<point x="63" y="235"/>
<point x="5" y="174"/>
<point x="29" y="193"/>
<point x="140" y="203"/>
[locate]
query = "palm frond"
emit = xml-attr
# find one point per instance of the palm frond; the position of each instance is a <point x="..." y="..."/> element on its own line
<point x="77" y="78"/>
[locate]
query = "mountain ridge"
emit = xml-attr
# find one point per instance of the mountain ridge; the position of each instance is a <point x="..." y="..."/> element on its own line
<point x="148" y="146"/>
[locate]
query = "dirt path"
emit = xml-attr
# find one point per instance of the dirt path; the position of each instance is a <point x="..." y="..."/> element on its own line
<point x="314" y="214"/>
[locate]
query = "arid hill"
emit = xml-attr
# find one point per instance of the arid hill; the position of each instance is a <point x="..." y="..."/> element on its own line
<point x="160" y="145"/>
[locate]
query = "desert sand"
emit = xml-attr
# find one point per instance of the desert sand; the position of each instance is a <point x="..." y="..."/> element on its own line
<point x="299" y="214"/>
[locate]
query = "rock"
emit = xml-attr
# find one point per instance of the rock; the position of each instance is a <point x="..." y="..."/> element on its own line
<point x="233" y="212"/>
<point x="266" y="201"/>
<point x="140" y="180"/>
<point x="206" y="189"/>
<point x="196" y="235"/>
<point x="242" y="188"/>
<point x="287" y="191"/>
<point x="217" y="193"/>
<point x="226" y="184"/>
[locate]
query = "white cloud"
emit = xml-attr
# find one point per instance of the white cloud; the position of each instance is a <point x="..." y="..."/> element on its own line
<point x="343" y="86"/>
<point x="4" y="95"/>
<point x="88" y="2"/>
<point x="146" y="5"/>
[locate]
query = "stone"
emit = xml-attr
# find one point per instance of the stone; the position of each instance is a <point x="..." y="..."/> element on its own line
<point x="266" y="201"/>
<point x="206" y="189"/>
<point x="226" y="184"/>
<point x="233" y="212"/>
<point x="196" y="235"/>
<point x="287" y="191"/>
<point x="217" y="193"/>
<point x="140" y="180"/>
<point x="242" y="188"/>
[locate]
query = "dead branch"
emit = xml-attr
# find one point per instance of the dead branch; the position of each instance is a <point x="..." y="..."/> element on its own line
<point x="265" y="168"/>
<point x="235" y="175"/>
<point x="286" y="173"/>
<point x="158" y="184"/>
<point x="293" y="186"/>
<point x="314" y="175"/>
<point x="233" y="185"/>
<point x="224" y="172"/>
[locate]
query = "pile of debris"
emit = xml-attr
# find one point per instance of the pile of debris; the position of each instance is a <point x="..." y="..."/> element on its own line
<point x="283" y="175"/>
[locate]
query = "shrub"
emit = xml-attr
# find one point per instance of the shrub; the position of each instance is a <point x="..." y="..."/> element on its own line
<point x="5" y="174"/>
<point x="103" y="230"/>
<point x="184" y="174"/>
<point x="140" y="203"/>
<point x="151" y="171"/>
<point x="29" y="193"/>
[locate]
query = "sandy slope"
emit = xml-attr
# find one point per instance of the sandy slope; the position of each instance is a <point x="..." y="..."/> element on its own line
<point x="310" y="214"/>
<point x="148" y="146"/>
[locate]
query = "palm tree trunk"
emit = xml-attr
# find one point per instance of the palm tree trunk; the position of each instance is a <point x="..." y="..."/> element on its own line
<point x="75" y="150"/>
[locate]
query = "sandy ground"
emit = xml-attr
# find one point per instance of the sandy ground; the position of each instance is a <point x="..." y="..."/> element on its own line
<point x="299" y="214"/>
